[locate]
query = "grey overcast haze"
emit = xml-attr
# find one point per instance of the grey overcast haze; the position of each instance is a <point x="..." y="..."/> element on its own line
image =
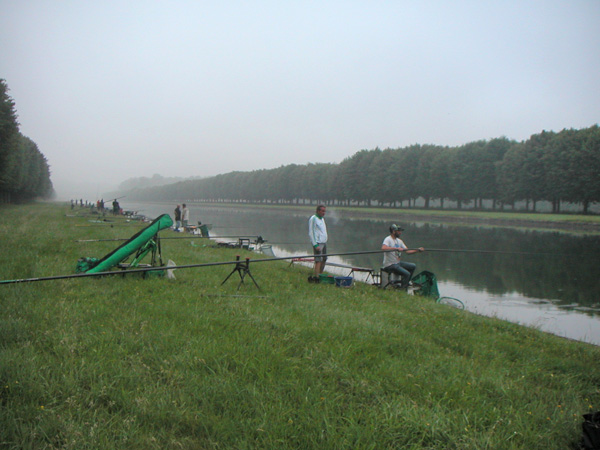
<point x="111" y="90"/>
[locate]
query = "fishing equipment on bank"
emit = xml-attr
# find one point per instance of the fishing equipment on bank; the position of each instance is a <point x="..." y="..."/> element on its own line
<point x="243" y="269"/>
<point x="114" y="256"/>
<point x="426" y="283"/>
<point x="144" y="242"/>
<point x="242" y="237"/>
<point x="147" y="241"/>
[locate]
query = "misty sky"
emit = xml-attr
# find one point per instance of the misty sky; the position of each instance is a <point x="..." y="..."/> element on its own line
<point x="111" y="90"/>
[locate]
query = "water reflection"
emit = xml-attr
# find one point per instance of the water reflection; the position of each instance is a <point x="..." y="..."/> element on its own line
<point x="492" y="268"/>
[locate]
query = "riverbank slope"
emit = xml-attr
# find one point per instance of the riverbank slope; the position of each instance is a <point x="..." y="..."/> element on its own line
<point x="123" y="362"/>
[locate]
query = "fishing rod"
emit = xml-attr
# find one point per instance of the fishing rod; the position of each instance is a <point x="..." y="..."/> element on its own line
<point x="500" y="252"/>
<point x="107" y="224"/>
<point x="224" y="263"/>
<point x="174" y="237"/>
<point x="185" y="266"/>
<point x="449" y="250"/>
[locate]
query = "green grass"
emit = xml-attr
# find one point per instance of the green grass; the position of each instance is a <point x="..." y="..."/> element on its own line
<point x="128" y="363"/>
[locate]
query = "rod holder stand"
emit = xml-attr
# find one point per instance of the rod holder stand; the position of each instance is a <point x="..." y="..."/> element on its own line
<point x="243" y="269"/>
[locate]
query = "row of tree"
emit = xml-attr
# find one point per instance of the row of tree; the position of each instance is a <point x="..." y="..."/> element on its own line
<point x="555" y="167"/>
<point x="24" y="171"/>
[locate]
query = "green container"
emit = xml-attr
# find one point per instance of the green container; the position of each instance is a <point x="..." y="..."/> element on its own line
<point x="326" y="279"/>
<point x="204" y="230"/>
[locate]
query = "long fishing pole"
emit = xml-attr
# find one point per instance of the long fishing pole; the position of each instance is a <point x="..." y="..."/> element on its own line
<point x="108" y="224"/>
<point x="174" y="237"/>
<point x="186" y="266"/>
<point x="224" y="263"/>
<point x="449" y="250"/>
<point x="500" y="252"/>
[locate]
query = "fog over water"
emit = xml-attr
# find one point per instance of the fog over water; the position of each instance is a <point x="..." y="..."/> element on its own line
<point x="110" y="90"/>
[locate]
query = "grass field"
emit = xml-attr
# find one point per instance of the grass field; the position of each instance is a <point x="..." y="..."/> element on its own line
<point x="132" y="363"/>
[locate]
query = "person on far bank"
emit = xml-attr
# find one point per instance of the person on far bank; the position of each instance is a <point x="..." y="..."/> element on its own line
<point x="391" y="259"/>
<point x="317" y="232"/>
<point x="177" y="218"/>
<point x="185" y="216"/>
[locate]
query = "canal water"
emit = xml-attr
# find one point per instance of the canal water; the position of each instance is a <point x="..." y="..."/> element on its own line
<point x="544" y="279"/>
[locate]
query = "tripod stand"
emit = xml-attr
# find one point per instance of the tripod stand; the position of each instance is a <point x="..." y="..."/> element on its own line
<point x="243" y="269"/>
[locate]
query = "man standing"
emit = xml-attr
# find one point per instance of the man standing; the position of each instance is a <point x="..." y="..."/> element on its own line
<point x="185" y="216"/>
<point x="391" y="259"/>
<point x="177" y="218"/>
<point x="317" y="232"/>
<point x="116" y="207"/>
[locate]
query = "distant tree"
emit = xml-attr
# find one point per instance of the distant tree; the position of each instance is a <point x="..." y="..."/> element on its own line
<point x="488" y="169"/>
<point x="548" y="166"/>
<point x="405" y="169"/>
<point x="353" y="176"/>
<point x="145" y="182"/>
<point x="561" y="175"/>
<point x="424" y="182"/>
<point x="9" y="130"/>
<point x="463" y="172"/>
<point x="534" y="170"/>
<point x="387" y="191"/>
<point x="523" y="172"/>
<point x="371" y="179"/>
<point x="509" y="175"/>
<point x="585" y="167"/>
<point x="24" y="171"/>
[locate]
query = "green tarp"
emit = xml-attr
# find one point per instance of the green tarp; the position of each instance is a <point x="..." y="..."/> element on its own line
<point x="131" y="246"/>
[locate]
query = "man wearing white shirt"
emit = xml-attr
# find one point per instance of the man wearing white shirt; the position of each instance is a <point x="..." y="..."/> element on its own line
<point x="317" y="232"/>
<point x="391" y="259"/>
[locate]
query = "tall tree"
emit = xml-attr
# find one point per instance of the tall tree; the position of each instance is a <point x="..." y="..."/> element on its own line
<point x="464" y="172"/>
<point x="585" y="167"/>
<point x="532" y="173"/>
<point x="424" y="182"/>
<point x="495" y="151"/>
<point x="440" y="179"/>
<point x="9" y="130"/>
<point x="560" y="179"/>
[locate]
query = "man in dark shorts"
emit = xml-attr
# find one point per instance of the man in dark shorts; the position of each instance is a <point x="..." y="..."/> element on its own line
<point x="317" y="232"/>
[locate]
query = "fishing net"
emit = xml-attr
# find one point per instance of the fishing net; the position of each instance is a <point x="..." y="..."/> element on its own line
<point x="428" y="284"/>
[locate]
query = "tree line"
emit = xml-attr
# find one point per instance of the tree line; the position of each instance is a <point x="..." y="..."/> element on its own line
<point x="557" y="167"/>
<point x="24" y="171"/>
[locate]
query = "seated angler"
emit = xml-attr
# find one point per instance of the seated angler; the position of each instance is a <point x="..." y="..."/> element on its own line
<point x="392" y="264"/>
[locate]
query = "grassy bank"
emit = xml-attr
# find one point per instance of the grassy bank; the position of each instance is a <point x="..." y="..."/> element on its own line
<point x="127" y="363"/>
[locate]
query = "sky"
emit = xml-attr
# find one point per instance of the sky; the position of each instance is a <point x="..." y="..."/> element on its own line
<point x="112" y="90"/>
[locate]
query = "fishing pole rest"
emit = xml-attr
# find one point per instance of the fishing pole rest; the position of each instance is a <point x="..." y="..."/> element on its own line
<point x="243" y="269"/>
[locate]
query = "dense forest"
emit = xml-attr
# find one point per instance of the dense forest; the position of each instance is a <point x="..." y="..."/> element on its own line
<point x="154" y="180"/>
<point x="557" y="167"/>
<point x="24" y="171"/>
